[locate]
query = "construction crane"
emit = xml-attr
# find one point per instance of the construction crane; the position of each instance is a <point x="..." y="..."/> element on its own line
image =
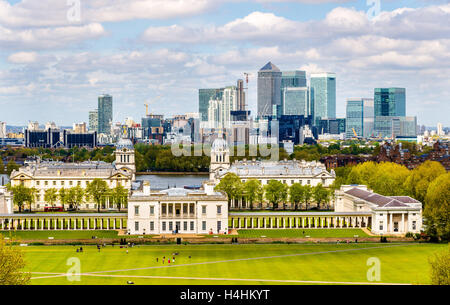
<point x="148" y="104"/>
<point x="354" y="132"/>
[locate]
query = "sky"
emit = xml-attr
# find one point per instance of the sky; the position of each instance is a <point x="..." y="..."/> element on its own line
<point x="58" y="56"/>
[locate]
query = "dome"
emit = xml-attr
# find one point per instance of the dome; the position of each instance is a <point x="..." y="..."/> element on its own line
<point x="124" y="143"/>
<point x="219" y="144"/>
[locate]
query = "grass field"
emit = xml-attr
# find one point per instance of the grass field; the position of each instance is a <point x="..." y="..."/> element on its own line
<point x="233" y="264"/>
<point x="30" y="235"/>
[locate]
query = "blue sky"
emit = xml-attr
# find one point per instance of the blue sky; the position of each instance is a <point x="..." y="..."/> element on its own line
<point x="52" y="68"/>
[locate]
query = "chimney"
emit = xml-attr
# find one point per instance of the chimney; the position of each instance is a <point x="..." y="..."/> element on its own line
<point x="146" y="188"/>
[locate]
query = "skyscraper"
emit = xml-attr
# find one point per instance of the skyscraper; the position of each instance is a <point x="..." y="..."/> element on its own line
<point x="390" y="102"/>
<point x="93" y="120"/>
<point x="360" y="117"/>
<point x="105" y="113"/>
<point x="204" y="96"/>
<point x="323" y="96"/>
<point x="293" y="79"/>
<point x="296" y="101"/>
<point x="269" y="89"/>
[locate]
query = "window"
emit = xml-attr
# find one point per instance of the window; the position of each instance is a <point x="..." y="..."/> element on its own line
<point x="136" y="226"/>
<point x="164" y="209"/>
<point x="54" y="182"/>
<point x="414" y="225"/>
<point x="45" y="182"/>
<point x="219" y="209"/>
<point x="203" y="209"/>
<point x="79" y="183"/>
<point x="219" y="226"/>
<point x="170" y="209"/>
<point x="204" y="225"/>
<point x="170" y="226"/>
<point x="301" y="182"/>
<point x="152" y="210"/>
<point x="37" y="182"/>
<point x="136" y="210"/>
<point x="163" y="225"/>
<point x="152" y="226"/>
<point x="292" y="182"/>
<point x="185" y="209"/>
<point x="192" y="226"/>
<point x="62" y="182"/>
<point x="185" y="226"/>
<point x="191" y="209"/>
<point x="70" y="182"/>
<point x="381" y="226"/>
<point x="308" y="182"/>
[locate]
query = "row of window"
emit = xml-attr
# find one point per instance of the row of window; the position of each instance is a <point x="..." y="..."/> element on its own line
<point x="308" y="182"/>
<point x="177" y="211"/>
<point x="70" y="183"/>
<point x="176" y="226"/>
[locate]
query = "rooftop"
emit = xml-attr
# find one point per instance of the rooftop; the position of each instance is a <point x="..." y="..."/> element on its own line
<point x="382" y="201"/>
<point x="291" y="167"/>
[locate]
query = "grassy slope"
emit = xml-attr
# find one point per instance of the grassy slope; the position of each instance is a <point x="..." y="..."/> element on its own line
<point x="402" y="264"/>
<point x="299" y="233"/>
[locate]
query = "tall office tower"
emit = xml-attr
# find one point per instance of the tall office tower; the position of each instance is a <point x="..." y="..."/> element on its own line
<point x="440" y="130"/>
<point x="390" y="102"/>
<point x="296" y="101"/>
<point x="204" y="96"/>
<point x="323" y="96"/>
<point x="269" y="86"/>
<point x="105" y="113"/>
<point x="2" y="129"/>
<point x="395" y="126"/>
<point x="93" y="120"/>
<point x="240" y="96"/>
<point x="360" y="117"/>
<point x="293" y="79"/>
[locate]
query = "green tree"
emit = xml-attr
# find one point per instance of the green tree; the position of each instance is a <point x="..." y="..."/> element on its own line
<point x="253" y="191"/>
<point x="275" y="192"/>
<point x="75" y="196"/>
<point x="51" y="195"/>
<point x="307" y="196"/>
<point x="321" y="195"/>
<point x="11" y="166"/>
<point x="296" y="194"/>
<point x="2" y="166"/>
<point x="120" y="196"/>
<point x="97" y="190"/>
<point x="420" y="178"/>
<point x="440" y="268"/>
<point x="437" y="208"/>
<point x="21" y="194"/>
<point x="12" y="264"/>
<point x="63" y="196"/>
<point x="229" y="185"/>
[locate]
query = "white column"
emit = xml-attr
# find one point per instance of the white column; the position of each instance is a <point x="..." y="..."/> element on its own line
<point x="391" y="225"/>
<point x="403" y="223"/>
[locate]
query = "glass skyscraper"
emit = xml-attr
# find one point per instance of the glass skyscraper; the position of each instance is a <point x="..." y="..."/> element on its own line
<point x="360" y="117"/>
<point x="204" y="96"/>
<point x="390" y="102"/>
<point x="323" y="96"/>
<point x="93" y="120"/>
<point x="105" y="113"/>
<point x="296" y="101"/>
<point x="391" y="127"/>
<point x="269" y="90"/>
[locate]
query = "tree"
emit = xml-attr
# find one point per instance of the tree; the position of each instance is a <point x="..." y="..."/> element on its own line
<point x="320" y="194"/>
<point x="307" y="195"/>
<point x="21" y="195"/>
<point x="63" y="196"/>
<point x="11" y="166"/>
<point x="440" y="268"/>
<point x="11" y="265"/>
<point x="276" y="192"/>
<point x="421" y="177"/>
<point x="229" y="184"/>
<point x="75" y="196"/>
<point x="51" y="195"/>
<point x="296" y="194"/>
<point x="2" y="166"/>
<point x="97" y="190"/>
<point x="253" y="191"/>
<point x="437" y="208"/>
<point x="119" y="196"/>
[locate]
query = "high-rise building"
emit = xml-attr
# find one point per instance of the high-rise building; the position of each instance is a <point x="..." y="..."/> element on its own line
<point x="296" y="101"/>
<point x="390" y="102"/>
<point x="93" y="120"/>
<point x="204" y="96"/>
<point x="392" y="127"/>
<point x="2" y="129"/>
<point x="440" y="130"/>
<point x="293" y="79"/>
<point x="79" y="128"/>
<point x="360" y="117"/>
<point x="323" y="96"/>
<point x="269" y="89"/>
<point x="105" y="113"/>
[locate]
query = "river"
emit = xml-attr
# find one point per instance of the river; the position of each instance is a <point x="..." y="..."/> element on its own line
<point x="165" y="181"/>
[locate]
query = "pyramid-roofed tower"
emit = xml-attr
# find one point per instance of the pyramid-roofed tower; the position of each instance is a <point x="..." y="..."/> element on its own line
<point x="270" y="67"/>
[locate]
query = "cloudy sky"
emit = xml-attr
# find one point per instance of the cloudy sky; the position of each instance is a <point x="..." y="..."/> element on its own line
<point x="57" y="56"/>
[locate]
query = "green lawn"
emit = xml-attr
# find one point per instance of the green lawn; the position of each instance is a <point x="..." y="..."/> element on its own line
<point x="234" y="264"/>
<point x="292" y="233"/>
<point x="30" y="235"/>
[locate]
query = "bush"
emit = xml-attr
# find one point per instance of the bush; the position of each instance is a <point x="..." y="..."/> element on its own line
<point x="409" y="235"/>
<point x="440" y="268"/>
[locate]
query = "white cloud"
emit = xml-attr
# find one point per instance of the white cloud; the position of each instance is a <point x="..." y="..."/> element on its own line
<point x="23" y="57"/>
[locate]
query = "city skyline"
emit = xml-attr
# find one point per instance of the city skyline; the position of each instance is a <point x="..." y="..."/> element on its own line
<point x="58" y="72"/>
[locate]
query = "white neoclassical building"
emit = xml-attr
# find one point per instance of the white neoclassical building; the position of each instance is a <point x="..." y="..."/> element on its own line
<point x="389" y="214"/>
<point x="177" y="210"/>
<point x="285" y="171"/>
<point x="43" y="175"/>
<point x="6" y="203"/>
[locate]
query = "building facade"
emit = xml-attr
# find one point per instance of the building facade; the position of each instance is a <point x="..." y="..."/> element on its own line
<point x="323" y="95"/>
<point x="389" y="214"/>
<point x="390" y="102"/>
<point x="392" y="127"/>
<point x="269" y="88"/>
<point x="93" y="120"/>
<point x="360" y="118"/>
<point x="105" y="113"/>
<point x="296" y="101"/>
<point x="177" y="211"/>
<point x="204" y="96"/>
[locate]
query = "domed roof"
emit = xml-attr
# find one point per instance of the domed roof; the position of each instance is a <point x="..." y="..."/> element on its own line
<point x="124" y="143"/>
<point x="219" y="144"/>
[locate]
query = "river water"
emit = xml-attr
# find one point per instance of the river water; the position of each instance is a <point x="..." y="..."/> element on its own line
<point x="166" y="181"/>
